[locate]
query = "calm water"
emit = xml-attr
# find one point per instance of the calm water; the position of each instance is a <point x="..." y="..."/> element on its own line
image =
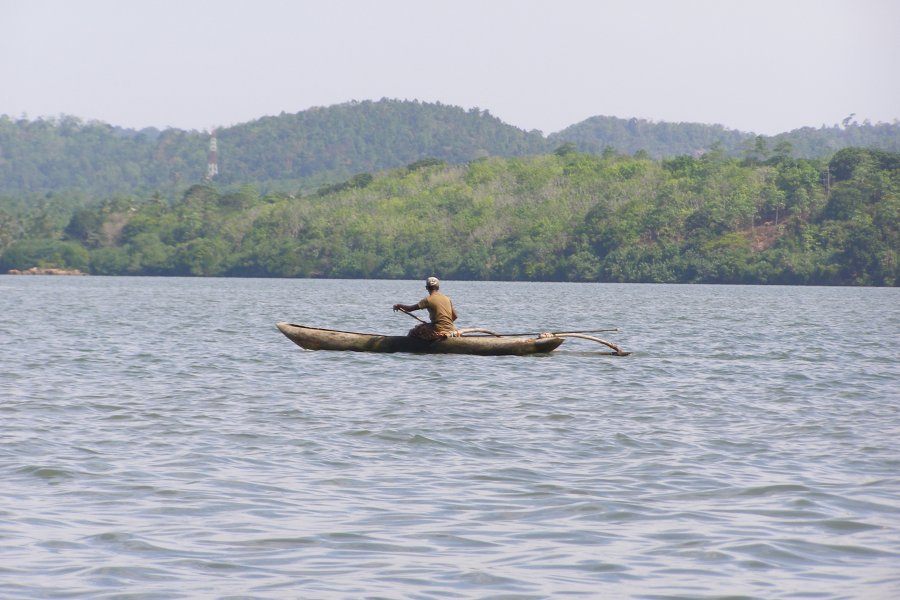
<point x="159" y="438"/>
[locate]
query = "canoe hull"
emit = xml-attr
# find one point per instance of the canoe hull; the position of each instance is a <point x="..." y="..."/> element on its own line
<point x="312" y="338"/>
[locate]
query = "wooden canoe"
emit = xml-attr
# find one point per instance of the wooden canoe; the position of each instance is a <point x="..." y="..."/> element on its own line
<point x="314" y="338"/>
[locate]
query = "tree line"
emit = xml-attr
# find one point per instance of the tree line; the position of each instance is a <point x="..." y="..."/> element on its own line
<point x="561" y="216"/>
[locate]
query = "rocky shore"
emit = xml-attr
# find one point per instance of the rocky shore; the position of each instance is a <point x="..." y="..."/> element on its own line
<point x="45" y="271"/>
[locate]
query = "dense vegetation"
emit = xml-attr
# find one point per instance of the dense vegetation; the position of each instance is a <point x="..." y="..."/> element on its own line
<point x="323" y="146"/>
<point x="288" y="152"/>
<point x="666" y="140"/>
<point x="566" y="215"/>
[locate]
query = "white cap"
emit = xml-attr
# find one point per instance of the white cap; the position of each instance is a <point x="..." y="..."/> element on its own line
<point x="432" y="282"/>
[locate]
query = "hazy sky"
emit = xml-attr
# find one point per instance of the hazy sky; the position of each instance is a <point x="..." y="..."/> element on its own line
<point x="765" y="66"/>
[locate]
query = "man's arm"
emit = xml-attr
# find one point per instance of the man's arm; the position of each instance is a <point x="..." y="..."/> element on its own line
<point x="406" y="307"/>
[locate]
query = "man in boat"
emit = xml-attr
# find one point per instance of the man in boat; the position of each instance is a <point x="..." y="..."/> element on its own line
<point x="440" y="310"/>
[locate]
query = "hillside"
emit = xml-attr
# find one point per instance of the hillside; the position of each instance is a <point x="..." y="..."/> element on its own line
<point x="665" y="140"/>
<point x="287" y="152"/>
<point x="658" y="140"/>
<point x="565" y="216"/>
<point x="321" y="146"/>
<point x="336" y="142"/>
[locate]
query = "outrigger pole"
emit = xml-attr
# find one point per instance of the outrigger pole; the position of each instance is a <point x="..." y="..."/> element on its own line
<point x="575" y="334"/>
<point x="533" y="334"/>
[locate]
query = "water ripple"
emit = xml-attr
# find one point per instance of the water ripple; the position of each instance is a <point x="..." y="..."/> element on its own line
<point x="195" y="453"/>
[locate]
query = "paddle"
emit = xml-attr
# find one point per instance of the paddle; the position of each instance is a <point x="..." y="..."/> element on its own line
<point x="412" y="315"/>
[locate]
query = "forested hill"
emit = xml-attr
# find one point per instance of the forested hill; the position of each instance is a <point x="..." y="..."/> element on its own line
<point x="662" y="140"/>
<point x="308" y="149"/>
<point x="562" y="216"/>
<point x="289" y="152"/>
<point x="346" y="139"/>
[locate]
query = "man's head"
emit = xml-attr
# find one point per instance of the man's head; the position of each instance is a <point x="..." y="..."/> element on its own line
<point x="432" y="283"/>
